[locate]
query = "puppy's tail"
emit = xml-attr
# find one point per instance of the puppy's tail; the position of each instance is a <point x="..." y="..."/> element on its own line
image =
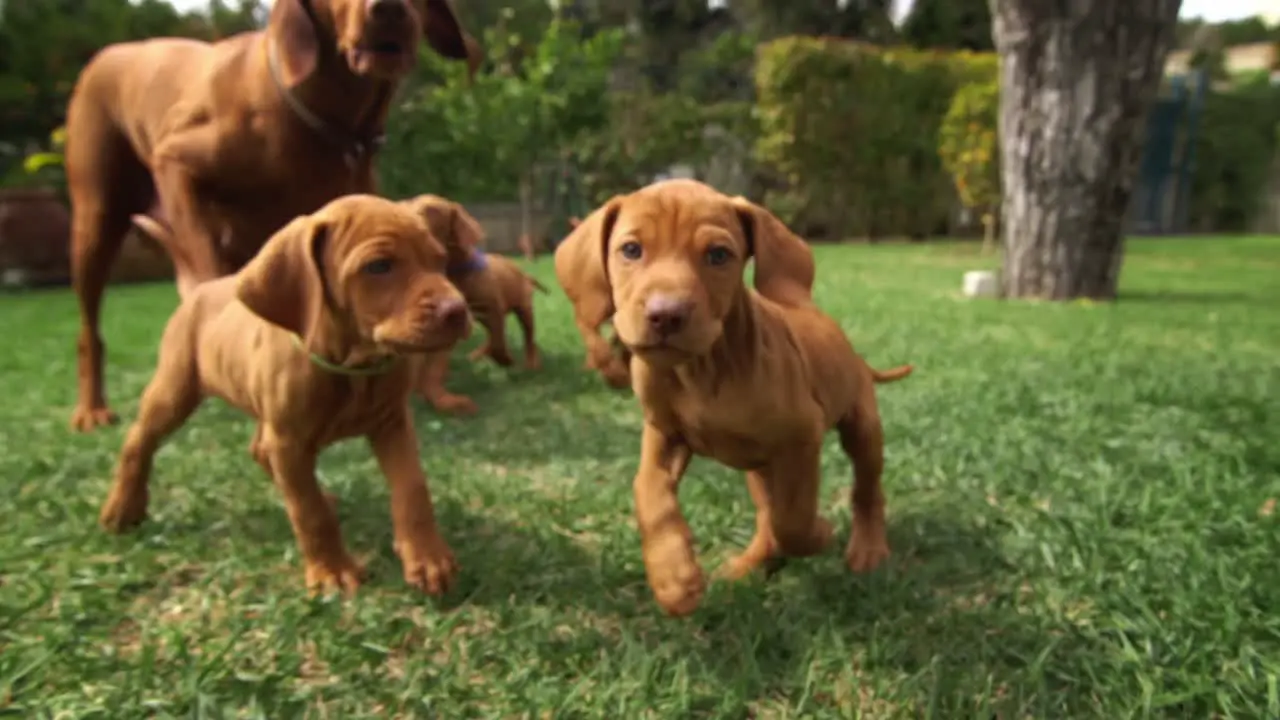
<point x="892" y="374"/>
<point x="534" y="281"/>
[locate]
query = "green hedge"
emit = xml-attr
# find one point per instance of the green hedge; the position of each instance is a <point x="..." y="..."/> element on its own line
<point x="853" y="130"/>
<point x="852" y="133"/>
<point x="1236" y="145"/>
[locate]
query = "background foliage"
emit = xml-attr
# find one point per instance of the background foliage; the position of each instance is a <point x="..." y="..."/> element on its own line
<point x="825" y="111"/>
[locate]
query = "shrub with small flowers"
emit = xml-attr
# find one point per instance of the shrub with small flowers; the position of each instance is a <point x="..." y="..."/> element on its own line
<point x="969" y="146"/>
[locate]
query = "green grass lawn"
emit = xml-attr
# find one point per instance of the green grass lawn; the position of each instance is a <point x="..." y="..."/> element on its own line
<point x="1080" y="508"/>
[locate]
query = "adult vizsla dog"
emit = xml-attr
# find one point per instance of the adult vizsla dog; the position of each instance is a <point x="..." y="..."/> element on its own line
<point x="752" y="379"/>
<point x="320" y="337"/>
<point x="226" y="142"/>
<point x="494" y="287"/>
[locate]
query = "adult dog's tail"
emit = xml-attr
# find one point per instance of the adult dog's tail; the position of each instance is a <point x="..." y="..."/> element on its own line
<point x="157" y="231"/>
<point x="892" y="374"/>
<point x="160" y="233"/>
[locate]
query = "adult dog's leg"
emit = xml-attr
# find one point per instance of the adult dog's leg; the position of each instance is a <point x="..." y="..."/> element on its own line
<point x="170" y="398"/>
<point x="106" y="183"/>
<point x="862" y="437"/>
<point x="191" y="234"/>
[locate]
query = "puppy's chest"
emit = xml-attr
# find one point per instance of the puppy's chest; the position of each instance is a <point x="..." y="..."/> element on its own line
<point x="741" y="430"/>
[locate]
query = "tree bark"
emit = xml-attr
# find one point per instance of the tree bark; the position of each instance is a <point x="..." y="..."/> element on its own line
<point x="1077" y="79"/>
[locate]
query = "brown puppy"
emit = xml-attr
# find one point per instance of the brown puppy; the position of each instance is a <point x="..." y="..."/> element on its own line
<point x="320" y="337"/>
<point x="494" y="287"/>
<point x="576" y="260"/>
<point x="226" y="142"/>
<point x="751" y="379"/>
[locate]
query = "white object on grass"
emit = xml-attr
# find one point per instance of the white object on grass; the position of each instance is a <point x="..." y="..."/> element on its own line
<point x="981" y="283"/>
<point x="13" y="277"/>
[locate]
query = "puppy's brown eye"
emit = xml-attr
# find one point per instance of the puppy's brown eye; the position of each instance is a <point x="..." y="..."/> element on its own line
<point x="381" y="266"/>
<point x="631" y="250"/>
<point x="718" y="255"/>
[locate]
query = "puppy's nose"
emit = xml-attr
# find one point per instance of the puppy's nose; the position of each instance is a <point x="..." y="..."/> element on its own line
<point x="667" y="315"/>
<point x="387" y="10"/>
<point x="452" y="312"/>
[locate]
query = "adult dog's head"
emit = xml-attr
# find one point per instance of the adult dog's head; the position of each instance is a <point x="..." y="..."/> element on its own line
<point x="374" y="38"/>
<point x="364" y="267"/>
<point x="667" y="262"/>
<point x="456" y="228"/>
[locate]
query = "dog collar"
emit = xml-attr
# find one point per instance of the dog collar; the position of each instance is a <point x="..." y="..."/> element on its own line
<point x="477" y="261"/>
<point x="355" y="148"/>
<point x="376" y="367"/>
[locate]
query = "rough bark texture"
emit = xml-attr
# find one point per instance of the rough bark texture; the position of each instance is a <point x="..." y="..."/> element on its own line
<point x="1077" y="79"/>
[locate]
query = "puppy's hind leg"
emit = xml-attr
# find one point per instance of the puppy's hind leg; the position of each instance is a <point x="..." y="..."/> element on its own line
<point x="169" y="399"/>
<point x="524" y="315"/>
<point x="495" y="324"/>
<point x="762" y="547"/>
<point x="862" y="438"/>
<point x="789" y="489"/>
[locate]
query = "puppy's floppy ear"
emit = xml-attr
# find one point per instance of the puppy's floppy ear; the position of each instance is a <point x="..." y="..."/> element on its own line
<point x="295" y="38"/>
<point x="466" y="229"/>
<point x="449" y="223"/>
<point x="444" y="33"/>
<point x="582" y="263"/>
<point x="284" y="283"/>
<point x="784" y="262"/>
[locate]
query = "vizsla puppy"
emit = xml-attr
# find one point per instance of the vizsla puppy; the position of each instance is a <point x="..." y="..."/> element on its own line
<point x="576" y="258"/>
<point x="753" y="380"/>
<point x="494" y="287"/>
<point x="226" y="142"/>
<point x="320" y="337"/>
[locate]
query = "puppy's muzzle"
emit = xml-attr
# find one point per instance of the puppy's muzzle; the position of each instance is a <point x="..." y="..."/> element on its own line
<point x="450" y="314"/>
<point x="666" y="316"/>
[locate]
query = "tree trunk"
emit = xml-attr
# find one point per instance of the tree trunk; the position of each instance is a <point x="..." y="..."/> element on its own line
<point x="1077" y="79"/>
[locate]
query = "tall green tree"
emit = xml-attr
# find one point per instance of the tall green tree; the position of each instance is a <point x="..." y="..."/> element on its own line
<point x="45" y="43"/>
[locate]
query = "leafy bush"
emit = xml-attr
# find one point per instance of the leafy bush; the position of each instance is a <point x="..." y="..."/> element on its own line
<point x="970" y="149"/>
<point x="1236" y="144"/>
<point x="475" y="140"/>
<point x="853" y="130"/>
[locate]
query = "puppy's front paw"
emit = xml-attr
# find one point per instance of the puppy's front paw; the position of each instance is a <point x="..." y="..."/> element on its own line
<point x="339" y="573"/>
<point x="616" y="375"/>
<point x="428" y="564"/>
<point x="675" y="578"/>
<point x="866" y="550"/>
<point x="455" y="405"/>
<point x="123" y="510"/>
<point x="85" y="419"/>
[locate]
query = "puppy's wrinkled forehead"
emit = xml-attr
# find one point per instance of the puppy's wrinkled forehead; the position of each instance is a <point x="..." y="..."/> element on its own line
<point x="667" y="218"/>
<point x="359" y="220"/>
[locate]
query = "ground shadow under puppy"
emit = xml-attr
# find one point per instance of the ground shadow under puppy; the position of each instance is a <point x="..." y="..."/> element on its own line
<point x="928" y="612"/>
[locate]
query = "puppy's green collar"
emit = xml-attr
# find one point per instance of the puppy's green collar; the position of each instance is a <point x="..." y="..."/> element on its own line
<point x="376" y="367"/>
